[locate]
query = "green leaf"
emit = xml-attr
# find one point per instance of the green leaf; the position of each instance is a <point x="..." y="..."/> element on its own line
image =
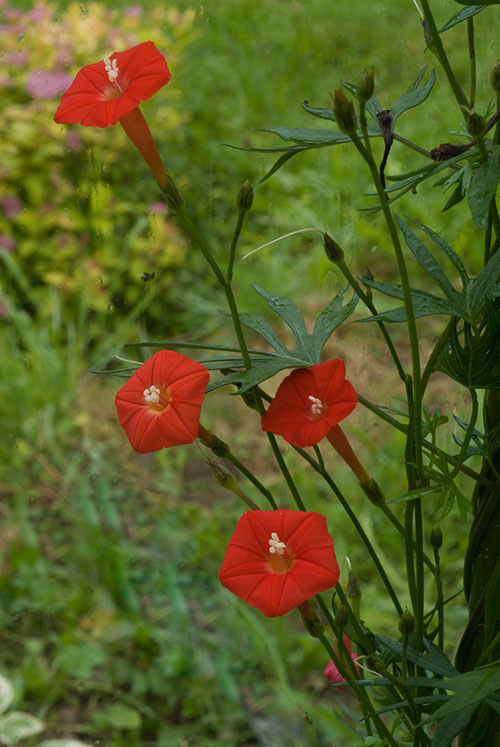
<point x="483" y="187"/>
<point x="307" y="351"/>
<point x="424" y="304"/>
<point x="447" y="250"/>
<point x="470" y="689"/>
<point x="6" y="693"/>
<point x="304" y="136"/>
<point x="433" y="661"/>
<point x="488" y="2"/>
<point x="429" y="264"/>
<point x="485" y="286"/>
<point x="451" y="726"/>
<point x="18" y="725"/>
<point x="321" y="113"/>
<point x="455" y="198"/>
<point x="462" y="15"/>
<point x="414" y="95"/>
<point x="117" y="716"/>
<point x="281" y="162"/>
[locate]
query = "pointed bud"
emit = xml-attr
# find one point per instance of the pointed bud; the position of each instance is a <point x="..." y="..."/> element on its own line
<point x="436" y="537"/>
<point x="367" y="275"/>
<point x="343" y="111"/>
<point x="219" y="447"/>
<point x="495" y="78"/>
<point x="244" y="200"/>
<point x="374" y="492"/>
<point x="223" y="477"/>
<point x="406" y="623"/>
<point x="311" y="621"/>
<point x="333" y="251"/>
<point x="341" y="617"/>
<point x="366" y="84"/>
<point x="475" y="124"/>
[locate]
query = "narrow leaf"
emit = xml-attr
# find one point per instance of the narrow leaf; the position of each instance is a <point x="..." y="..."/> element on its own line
<point x="281" y="162"/>
<point x="321" y="113"/>
<point x="447" y="250"/>
<point x="259" y="324"/>
<point x="451" y="726"/>
<point x="332" y="317"/>
<point x="484" y="286"/>
<point x="483" y="186"/>
<point x="414" y="95"/>
<point x="287" y="310"/>
<point x="462" y="15"/>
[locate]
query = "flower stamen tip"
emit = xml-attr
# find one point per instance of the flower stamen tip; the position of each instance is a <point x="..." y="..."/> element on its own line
<point x="317" y="407"/>
<point x="275" y="545"/>
<point x="152" y="394"/>
<point x="111" y="67"/>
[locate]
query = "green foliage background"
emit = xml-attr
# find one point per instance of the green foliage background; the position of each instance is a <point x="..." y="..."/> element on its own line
<point x="113" y="624"/>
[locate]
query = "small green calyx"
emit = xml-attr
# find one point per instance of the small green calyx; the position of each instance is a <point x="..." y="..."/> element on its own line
<point x="495" y="78"/>
<point x="172" y="194"/>
<point x="244" y="200"/>
<point x="373" y="491"/>
<point x="406" y="623"/>
<point x="436" y="537"/>
<point x="341" y="617"/>
<point x="475" y="124"/>
<point x="343" y="111"/>
<point x="223" y="477"/>
<point x="333" y="251"/>
<point x="366" y="85"/>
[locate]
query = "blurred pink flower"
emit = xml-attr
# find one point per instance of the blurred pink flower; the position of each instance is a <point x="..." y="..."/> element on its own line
<point x="133" y="11"/>
<point x="158" y="207"/>
<point x="332" y="673"/>
<point x="11" y="206"/>
<point x="73" y="139"/>
<point x="15" y="58"/>
<point x="43" y="85"/>
<point x="7" y="242"/>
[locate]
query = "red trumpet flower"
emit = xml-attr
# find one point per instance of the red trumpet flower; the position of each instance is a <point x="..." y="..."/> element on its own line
<point x="111" y="90"/>
<point x="159" y="406"/>
<point x="310" y="402"/>
<point x="276" y="560"/>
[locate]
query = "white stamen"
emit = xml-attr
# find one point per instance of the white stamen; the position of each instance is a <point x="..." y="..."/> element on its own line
<point x="111" y="69"/>
<point x="275" y="545"/>
<point x="317" y="405"/>
<point x="152" y="394"/>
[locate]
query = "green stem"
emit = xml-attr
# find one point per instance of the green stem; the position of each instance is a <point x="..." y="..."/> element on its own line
<point x="361" y="638"/>
<point x="410" y="569"/>
<point x="468" y="435"/>
<point x="369" y="304"/>
<point x="251" y="477"/>
<point x="440" y="603"/>
<point x="460" y="96"/>
<point x="236" y="235"/>
<point x="419" y="563"/>
<point x="364" y="537"/>
<point x="472" y="59"/>
<point x="285" y="472"/>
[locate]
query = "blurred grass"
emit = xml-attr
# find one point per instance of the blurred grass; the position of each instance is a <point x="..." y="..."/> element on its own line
<point x="114" y="626"/>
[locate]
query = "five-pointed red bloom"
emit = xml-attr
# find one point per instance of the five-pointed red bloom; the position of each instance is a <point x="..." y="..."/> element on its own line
<point x="276" y="560"/>
<point x="309" y="402"/>
<point x="160" y="404"/>
<point x="106" y="91"/>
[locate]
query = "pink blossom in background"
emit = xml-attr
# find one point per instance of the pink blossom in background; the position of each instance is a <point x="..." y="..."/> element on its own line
<point x="158" y="207"/>
<point x="15" y="58"/>
<point x="332" y="673"/>
<point x="40" y="13"/>
<point x="11" y="206"/>
<point x="43" y="85"/>
<point x="7" y="242"/>
<point x="133" y="11"/>
<point x="73" y="139"/>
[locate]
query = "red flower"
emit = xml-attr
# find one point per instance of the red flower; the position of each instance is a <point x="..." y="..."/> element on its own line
<point x="276" y="560"/>
<point x="111" y="90"/>
<point x="309" y="402"/>
<point x="106" y="91"/>
<point x="160" y="404"/>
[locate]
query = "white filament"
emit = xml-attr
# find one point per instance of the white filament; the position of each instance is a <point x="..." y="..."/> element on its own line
<point x="152" y="394"/>
<point x="111" y="69"/>
<point x="275" y="545"/>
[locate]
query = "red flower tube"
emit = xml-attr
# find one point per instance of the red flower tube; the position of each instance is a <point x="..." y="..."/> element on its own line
<point x="111" y="90"/>
<point x="276" y="560"/>
<point x="159" y="406"/>
<point x="310" y="402"/>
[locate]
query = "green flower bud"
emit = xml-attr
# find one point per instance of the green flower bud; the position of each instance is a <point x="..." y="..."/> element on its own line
<point x="244" y="200"/>
<point x="475" y="124"/>
<point x="341" y="617"/>
<point x="343" y="111"/>
<point x="495" y="78"/>
<point x="406" y="623"/>
<point x="436" y="537"/>
<point x="366" y="84"/>
<point x="373" y="491"/>
<point x="223" y="477"/>
<point x="333" y="251"/>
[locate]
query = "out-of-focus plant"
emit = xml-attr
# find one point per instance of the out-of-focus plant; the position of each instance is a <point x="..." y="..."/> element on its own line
<point x="94" y="235"/>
